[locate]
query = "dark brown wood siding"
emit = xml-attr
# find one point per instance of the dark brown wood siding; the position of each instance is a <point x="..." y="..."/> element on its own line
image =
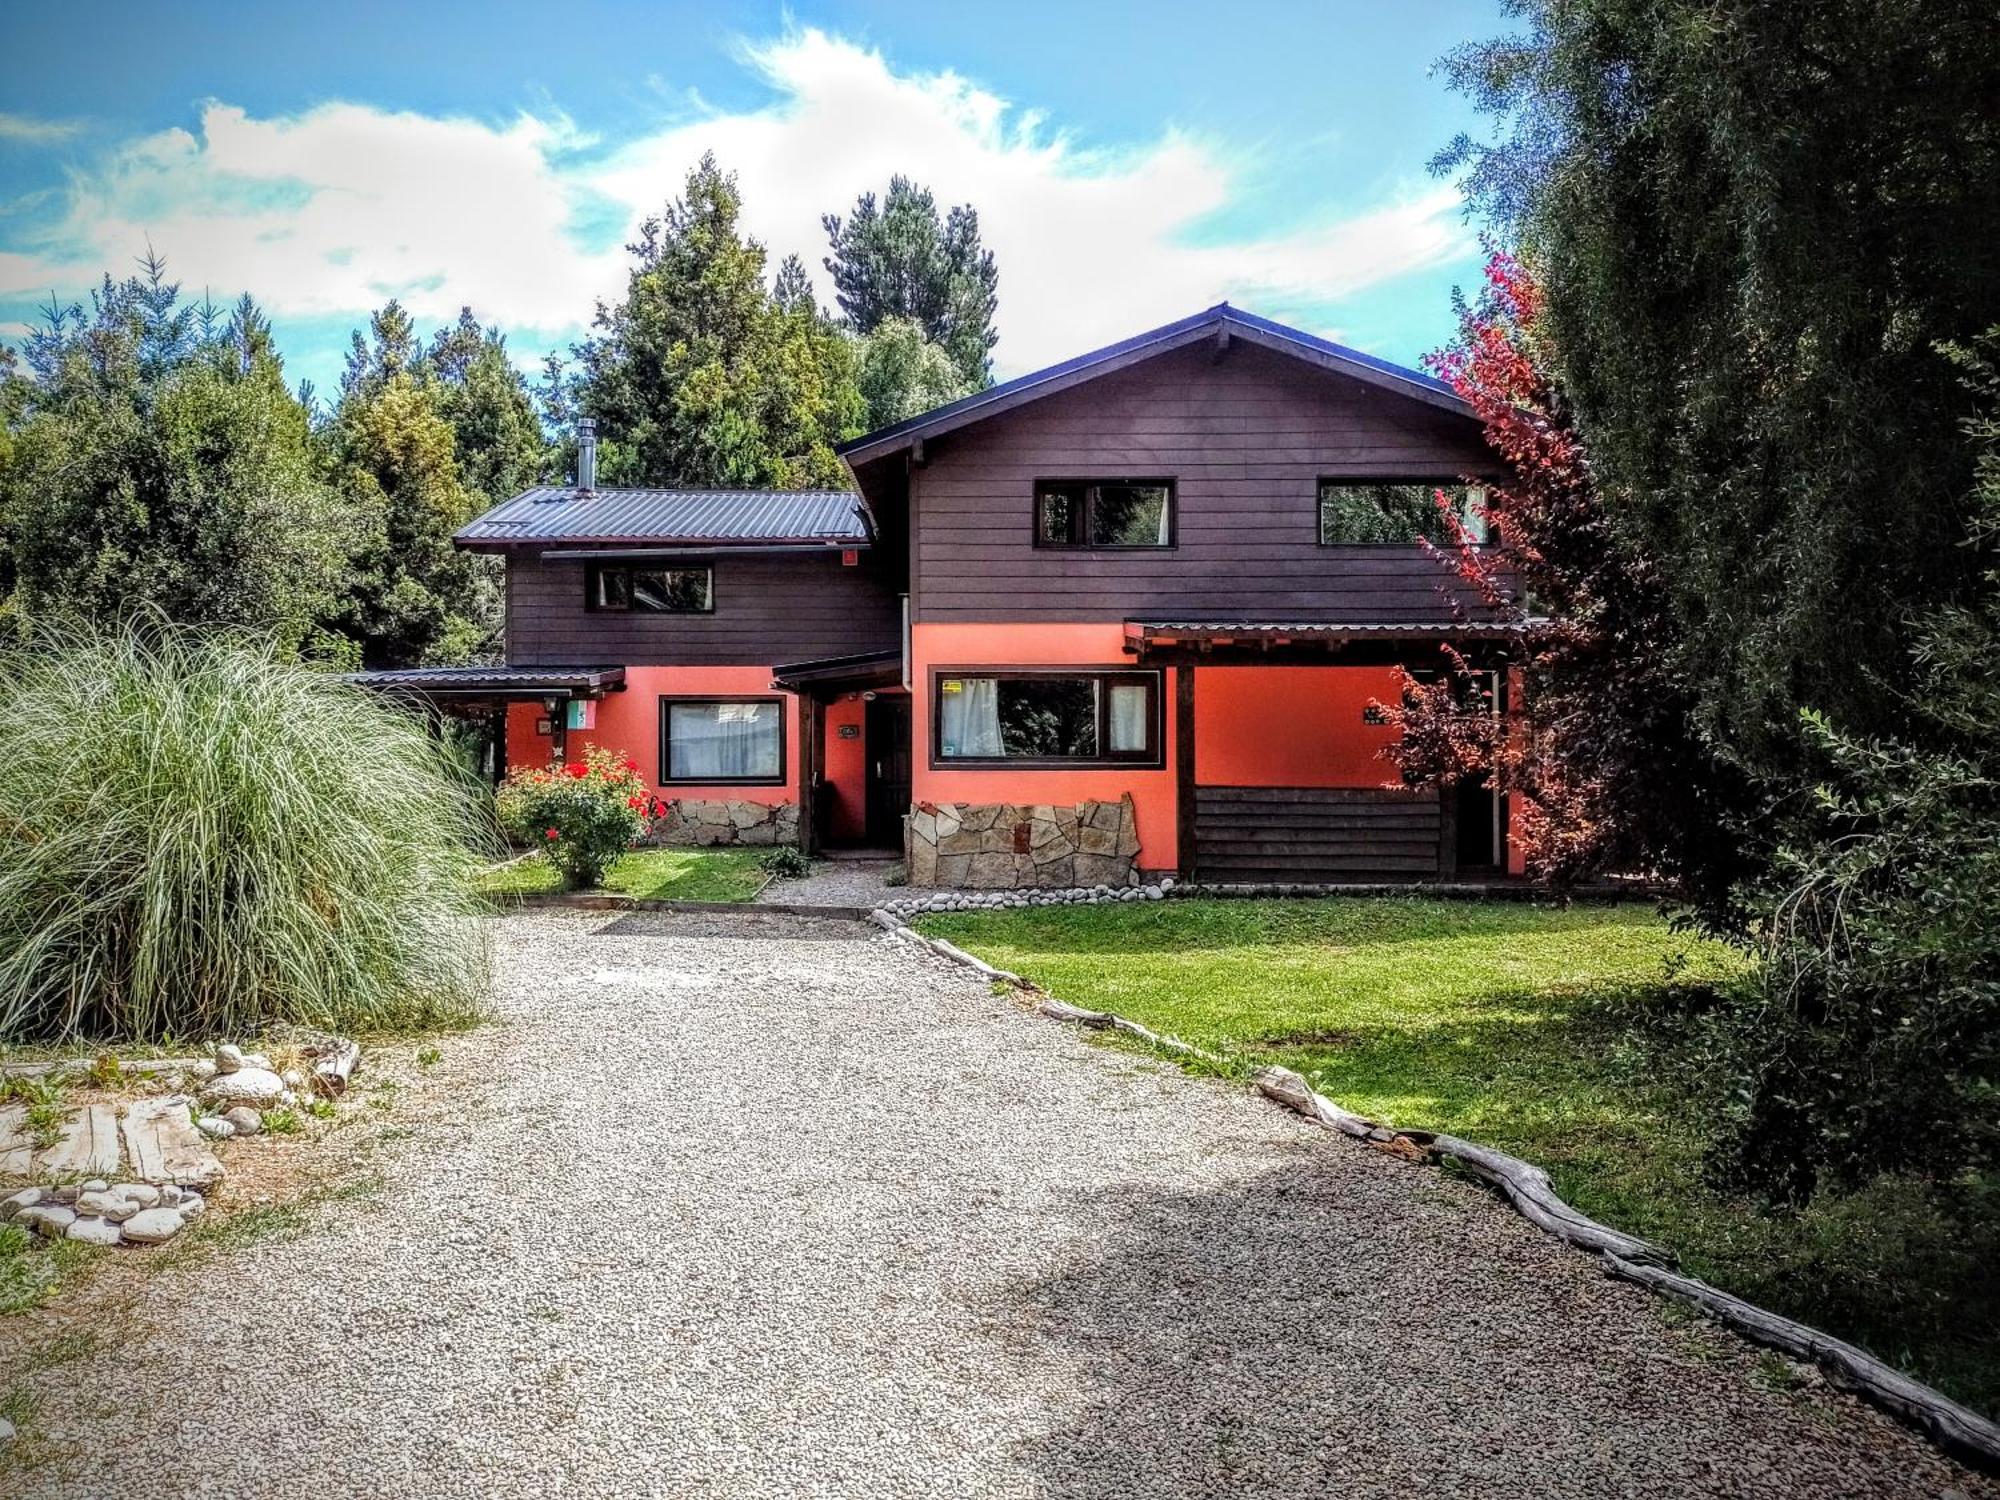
<point x="1315" y="834"/>
<point x="1245" y="438"/>
<point x="767" y="610"/>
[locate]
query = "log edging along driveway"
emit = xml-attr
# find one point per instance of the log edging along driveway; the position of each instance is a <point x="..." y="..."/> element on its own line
<point x="1957" y="1429"/>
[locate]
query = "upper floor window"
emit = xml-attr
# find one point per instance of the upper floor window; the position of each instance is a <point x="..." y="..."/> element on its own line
<point x="1369" y="512"/>
<point x="666" y="591"/>
<point x="1104" y="513"/>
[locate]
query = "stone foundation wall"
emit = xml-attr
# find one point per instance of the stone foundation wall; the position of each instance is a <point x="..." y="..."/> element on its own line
<point x="689" y="821"/>
<point x="1021" y="846"/>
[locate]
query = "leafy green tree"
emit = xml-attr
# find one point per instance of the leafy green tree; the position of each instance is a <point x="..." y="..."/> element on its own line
<point x="152" y="462"/>
<point x="701" y="375"/>
<point x="415" y="599"/>
<point x="897" y="259"/>
<point x="1754" y="223"/>
<point x="902" y="373"/>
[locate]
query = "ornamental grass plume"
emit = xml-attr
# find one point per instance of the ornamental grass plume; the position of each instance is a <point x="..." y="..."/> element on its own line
<point x="198" y="837"/>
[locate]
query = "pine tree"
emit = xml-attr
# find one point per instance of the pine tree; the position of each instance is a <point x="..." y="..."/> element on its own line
<point x="701" y="376"/>
<point x="415" y="599"/>
<point x="898" y="260"/>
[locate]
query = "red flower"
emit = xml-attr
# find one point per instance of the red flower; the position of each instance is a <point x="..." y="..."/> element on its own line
<point x="578" y="770"/>
<point x="554" y="833"/>
<point x="635" y="803"/>
<point x="631" y="764"/>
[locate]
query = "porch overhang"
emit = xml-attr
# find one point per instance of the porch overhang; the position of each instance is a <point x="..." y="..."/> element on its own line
<point x="1321" y="642"/>
<point x="469" y="686"/>
<point x="840" y="674"/>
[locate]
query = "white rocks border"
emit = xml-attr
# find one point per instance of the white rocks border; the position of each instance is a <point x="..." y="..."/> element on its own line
<point x="1957" y="1429"/>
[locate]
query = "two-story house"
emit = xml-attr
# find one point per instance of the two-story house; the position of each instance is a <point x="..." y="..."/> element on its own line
<point x="1130" y="612"/>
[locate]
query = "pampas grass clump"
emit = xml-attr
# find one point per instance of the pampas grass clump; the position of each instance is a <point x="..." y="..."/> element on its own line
<point x="198" y="838"/>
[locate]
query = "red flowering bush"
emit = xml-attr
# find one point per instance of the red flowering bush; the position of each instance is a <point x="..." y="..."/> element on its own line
<point x="582" y="815"/>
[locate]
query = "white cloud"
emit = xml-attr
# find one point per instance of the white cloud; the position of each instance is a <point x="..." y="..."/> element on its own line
<point x="336" y="209"/>
<point x="24" y="130"/>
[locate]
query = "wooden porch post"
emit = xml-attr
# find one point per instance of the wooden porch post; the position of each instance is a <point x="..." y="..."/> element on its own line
<point x="1184" y="800"/>
<point x="811" y="726"/>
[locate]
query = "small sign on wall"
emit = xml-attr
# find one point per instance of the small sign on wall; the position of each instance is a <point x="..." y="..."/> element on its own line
<point x="850" y="731"/>
<point x="545" y="726"/>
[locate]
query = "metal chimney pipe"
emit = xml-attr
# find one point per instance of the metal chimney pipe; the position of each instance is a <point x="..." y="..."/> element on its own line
<point x="586" y="454"/>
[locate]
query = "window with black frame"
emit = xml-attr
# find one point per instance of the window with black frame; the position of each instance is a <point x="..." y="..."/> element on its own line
<point x="716" y="741"/>
<point x="651" y="590"/>
<point x="1056" y="718"/>
<point x="1104" y="513"/>
<point x="1367" y="513"/>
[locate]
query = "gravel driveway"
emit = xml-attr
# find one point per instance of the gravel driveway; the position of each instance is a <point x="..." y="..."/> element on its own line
<point x="757" y="1205"/>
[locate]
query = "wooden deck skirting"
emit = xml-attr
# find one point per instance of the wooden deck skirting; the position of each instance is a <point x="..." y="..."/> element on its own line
<point x="1956" y="1429"/>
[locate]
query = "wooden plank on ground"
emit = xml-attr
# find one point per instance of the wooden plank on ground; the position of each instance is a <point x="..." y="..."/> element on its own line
<point x="17" y="1151"/>
<point x="164" y="1146"/>
<point x="88" y="1148"/>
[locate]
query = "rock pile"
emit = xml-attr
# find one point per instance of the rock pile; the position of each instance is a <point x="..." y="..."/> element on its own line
<point x="103" y="1213"/>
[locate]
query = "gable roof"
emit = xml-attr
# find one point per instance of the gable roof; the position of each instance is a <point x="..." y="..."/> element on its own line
<point x="729" y="517"/>
<point x="1221" y="322"/>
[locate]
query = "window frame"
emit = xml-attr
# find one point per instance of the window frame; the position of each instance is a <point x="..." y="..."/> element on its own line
<point x="1358" y="481"/>
<point x="1151" y="758"/>
<point x="667" y="700"/>
<point x="594" y="570"/>
<point x="1090" y="482"/>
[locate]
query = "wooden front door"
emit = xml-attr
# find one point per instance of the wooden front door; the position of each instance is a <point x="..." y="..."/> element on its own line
<point x="888" y="784"/>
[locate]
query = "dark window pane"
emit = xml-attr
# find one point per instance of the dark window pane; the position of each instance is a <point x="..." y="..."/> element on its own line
<point x="1128" y="515"/>
<point x="1059" y="516"/>
<point x="1048" y="716"/>
<point x="1365" y="513"/>
<point x="671" y="590"/>
<point x="613" y="588"/>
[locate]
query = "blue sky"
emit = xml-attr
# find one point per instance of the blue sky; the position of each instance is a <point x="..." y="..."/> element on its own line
<point x="1130" y="162"/>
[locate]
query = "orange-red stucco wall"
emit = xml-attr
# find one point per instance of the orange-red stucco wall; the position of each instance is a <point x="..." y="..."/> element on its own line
<point x="630" y="721"/>
<point x="1291" y="726"/>
<point x="1017" y="645"/>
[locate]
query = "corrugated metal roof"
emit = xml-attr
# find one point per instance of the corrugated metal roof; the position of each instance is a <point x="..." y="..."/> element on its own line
<point x="1278" y="336"/>
<point x="650" y="515"/>
<point x="498" y="680"/>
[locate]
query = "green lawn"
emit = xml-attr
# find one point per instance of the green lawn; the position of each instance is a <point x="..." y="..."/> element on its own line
<point x="1549" y="1032"/>
<point x="656" y="874"/>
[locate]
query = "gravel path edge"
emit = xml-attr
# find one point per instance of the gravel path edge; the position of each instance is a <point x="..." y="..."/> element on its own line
<point x="1952" y="1427"/>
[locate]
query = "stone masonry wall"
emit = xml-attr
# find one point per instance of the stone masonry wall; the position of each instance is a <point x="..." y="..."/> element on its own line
<point x="1020" y="846"/>
<point x="689" y="821"/>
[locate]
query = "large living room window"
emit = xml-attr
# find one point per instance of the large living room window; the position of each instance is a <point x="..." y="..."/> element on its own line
<point x="1054" y="718"/>
<point x="717" y="741"/>
<point x="1368" y="512"/>
<point x="1104" y="513"/>
<point x="662" y="591"/>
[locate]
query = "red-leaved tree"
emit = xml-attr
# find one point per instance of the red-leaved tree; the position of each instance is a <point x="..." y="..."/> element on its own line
<point x="1599" y="759"/>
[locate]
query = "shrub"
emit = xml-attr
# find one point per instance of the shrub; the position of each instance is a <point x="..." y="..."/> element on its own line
<point x="786" y="862"/>
<point x="201" y="838"/>
<point x="1873" y="1043"/>
<point x="582" y="815"/>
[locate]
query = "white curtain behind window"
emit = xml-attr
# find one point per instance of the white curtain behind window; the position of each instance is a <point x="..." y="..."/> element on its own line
<point x="1128" y="716"/>
<point x="969" y="709"/>
<point x="722" y="741"/>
